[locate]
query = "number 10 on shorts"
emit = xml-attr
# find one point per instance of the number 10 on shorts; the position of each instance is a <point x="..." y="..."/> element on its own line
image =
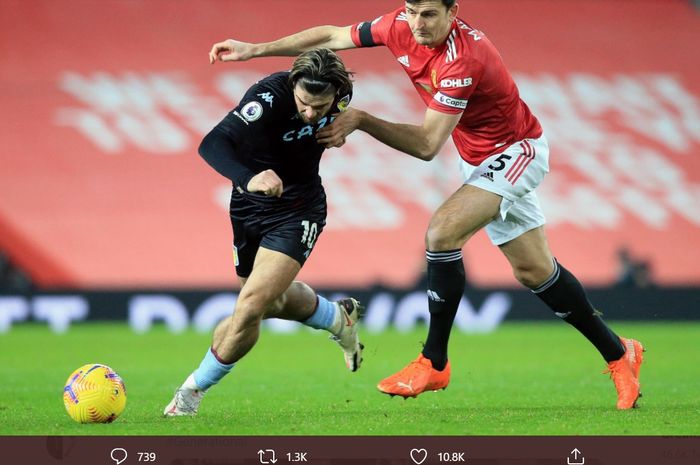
<point x="310" y="233"/>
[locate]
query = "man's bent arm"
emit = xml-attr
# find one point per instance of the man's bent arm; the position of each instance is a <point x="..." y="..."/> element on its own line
<point x="220" y="153"/>
<point x="423" y="142"/>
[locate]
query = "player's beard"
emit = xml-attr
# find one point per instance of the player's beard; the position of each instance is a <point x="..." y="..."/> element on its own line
<point x="423" y="39"/>
<point x="306" y="120"/>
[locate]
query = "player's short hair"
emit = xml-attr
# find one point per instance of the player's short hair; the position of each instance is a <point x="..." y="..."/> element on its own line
<point x="448" y="3"/>
<point x="321" y="71"/>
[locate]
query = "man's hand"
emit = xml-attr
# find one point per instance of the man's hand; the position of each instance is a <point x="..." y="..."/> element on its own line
<point x="266" y="182"/>
<point x="231" y="50"/>
<point x="335" y="133"/>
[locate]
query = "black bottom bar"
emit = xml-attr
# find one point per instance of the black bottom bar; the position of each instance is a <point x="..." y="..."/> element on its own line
<point x="350" y="450"/>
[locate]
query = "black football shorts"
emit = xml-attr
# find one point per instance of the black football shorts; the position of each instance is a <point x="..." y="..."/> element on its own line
<point x="293" y="234"/>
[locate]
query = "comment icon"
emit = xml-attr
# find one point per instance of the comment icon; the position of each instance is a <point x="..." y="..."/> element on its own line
<point x="119" y="455"/>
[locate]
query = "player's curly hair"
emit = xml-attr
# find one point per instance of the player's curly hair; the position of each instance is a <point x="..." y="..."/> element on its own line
<point x="320" y="71"/>
<point x="447" y="3"/>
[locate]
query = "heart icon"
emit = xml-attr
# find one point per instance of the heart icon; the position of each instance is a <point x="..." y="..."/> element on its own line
<point x="419" y="455"/>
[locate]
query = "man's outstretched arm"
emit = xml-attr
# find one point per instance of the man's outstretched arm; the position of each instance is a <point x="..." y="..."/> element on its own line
<point x="420" y="141"/>
<point x="333" y="37"/>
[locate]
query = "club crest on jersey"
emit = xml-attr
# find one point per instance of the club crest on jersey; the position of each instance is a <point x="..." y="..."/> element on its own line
<point x="343" y="103"/>
<point x="433" y="78"/>
<point x="252" y="111"/>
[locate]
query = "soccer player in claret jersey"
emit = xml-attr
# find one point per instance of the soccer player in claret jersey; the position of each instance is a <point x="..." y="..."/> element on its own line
<point x="469" y="94"/>
<point x="267" y="147"/>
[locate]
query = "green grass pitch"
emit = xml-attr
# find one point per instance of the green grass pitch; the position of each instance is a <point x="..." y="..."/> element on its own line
<point x="523" y="379"/>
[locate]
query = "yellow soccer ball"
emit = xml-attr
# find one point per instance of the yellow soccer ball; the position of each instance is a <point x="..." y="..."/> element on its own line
<point x="94" y="393"/>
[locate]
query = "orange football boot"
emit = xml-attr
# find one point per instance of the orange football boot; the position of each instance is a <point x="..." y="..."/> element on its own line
<point x="633" y="350"/>
<point x="415" y="378"/>
<point x="625" y="374"/>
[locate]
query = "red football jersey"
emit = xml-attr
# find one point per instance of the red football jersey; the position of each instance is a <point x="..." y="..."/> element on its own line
<point x="464" y="74"/>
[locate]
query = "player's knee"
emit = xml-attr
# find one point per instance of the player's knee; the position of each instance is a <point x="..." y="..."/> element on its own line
<point x="440" y="237"/>
<point x="530" y="275"/>
<point x="277" y="306"/>
<point x="251" y="307"/>
<point x="301" y="287"/>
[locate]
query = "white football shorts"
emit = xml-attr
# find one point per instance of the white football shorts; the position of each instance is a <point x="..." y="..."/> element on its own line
<point x="513" y="174"/>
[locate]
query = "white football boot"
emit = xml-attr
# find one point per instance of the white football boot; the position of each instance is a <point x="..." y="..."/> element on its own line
<point x="347" y="337"/>
<point x="185" y="402"/>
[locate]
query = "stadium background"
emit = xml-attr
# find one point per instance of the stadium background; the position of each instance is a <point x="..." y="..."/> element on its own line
<point x="107" y="212"/>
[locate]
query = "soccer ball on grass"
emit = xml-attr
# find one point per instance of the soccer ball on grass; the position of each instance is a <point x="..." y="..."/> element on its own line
<point x="94" y="393"/>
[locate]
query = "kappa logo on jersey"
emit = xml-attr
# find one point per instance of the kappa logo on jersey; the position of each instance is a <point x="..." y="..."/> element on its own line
<point x="404" y="60"/>
<point x="252" y="111"/>
<point x="450" y="101"/>
<point x="464" y="82"/>
<point x="267" y="97"/>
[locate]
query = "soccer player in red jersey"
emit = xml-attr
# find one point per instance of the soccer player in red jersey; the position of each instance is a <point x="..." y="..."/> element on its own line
<point x="470" y="95"/>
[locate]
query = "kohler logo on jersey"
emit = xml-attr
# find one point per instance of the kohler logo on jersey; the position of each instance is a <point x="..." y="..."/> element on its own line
<point x="464" y="82"/>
